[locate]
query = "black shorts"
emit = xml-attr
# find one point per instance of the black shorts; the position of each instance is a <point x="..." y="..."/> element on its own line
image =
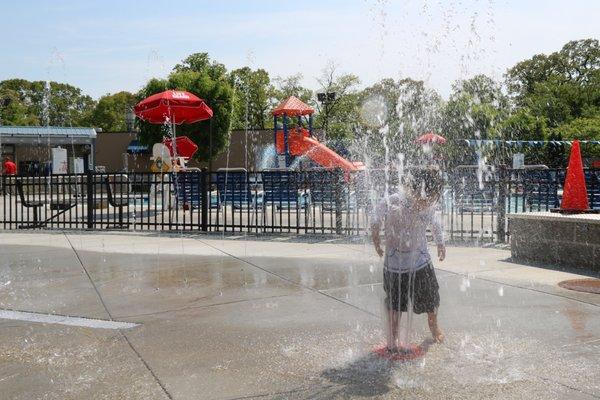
<point x="422" y="288"/>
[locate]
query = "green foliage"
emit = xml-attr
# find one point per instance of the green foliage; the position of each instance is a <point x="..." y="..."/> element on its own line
<point x="14" y="111"/>
<point x="67" y="105"/>
<point x="201" y="63"/>
<point x="253" y="92"/>
<point x="477" y="109"/>
<point x="109" y="113"/>
<point x="549" y="97"/>
<point x="561" y="93"/>
<point x="562" y="86"/>
<point x="207" y="85"/>
<point x="522" y="124"/>
<point x="291" y="86"/>
<point x="393" y="114"/>
<point x="337" y="118"/>
<point x="581" y="128"/>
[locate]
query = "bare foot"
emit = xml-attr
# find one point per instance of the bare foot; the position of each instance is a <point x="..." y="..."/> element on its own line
<point x="438" y="335"/>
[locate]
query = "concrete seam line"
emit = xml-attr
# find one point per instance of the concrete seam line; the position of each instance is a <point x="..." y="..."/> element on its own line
<point x="287" y="279"/>
<point x="89" y="277"/>
<point x="293" y="391"/>
<point x="565" y="385"/>
<point x="162" y="386"/>
<point x="519" y="287"/>
<point x="514" y="285"/>
<point x="206" y="306"/>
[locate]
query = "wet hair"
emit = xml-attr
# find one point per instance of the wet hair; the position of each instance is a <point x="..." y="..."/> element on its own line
<point x="425" y="182"/>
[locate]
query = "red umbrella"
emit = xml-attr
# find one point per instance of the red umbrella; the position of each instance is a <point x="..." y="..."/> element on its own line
<point x="431" y="137"/>
<point x="185" y="146"/>
<point x="173" y="106"/>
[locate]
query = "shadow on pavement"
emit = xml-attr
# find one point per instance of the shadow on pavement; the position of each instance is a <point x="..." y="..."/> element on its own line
<point x="368" y="376"/>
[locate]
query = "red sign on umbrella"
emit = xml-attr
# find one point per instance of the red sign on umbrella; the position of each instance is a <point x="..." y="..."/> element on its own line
<point x="173" y="106"/>
<point x="431" y="137"/>
<point x="184" y="146"/>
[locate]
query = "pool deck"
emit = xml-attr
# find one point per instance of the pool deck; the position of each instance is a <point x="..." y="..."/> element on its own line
<point x="149" y="316"/>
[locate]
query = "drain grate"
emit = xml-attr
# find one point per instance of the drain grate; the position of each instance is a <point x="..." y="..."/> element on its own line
<point x="590" y="285"/>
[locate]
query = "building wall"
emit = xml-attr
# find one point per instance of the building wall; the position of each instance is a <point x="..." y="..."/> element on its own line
<point x="111" y="151"/>
<point x="237" y="155"/>
<point x="41" y="154"/>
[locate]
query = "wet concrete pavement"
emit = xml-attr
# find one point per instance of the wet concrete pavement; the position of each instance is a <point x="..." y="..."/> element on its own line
<point x="279" y="318"/>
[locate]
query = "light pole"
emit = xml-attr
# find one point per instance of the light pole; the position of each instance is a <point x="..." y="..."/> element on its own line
<point x="326" y="99"/>
<point x="129" y="119"/>
<point x="210" y="135"/>
<point x="5" y="102"/>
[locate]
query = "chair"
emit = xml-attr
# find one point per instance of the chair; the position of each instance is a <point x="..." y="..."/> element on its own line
<point x="120" y="182"/>
<point x="473" y="193"/>
<point x="234" y="187"/>
<point x="592" y="183"/>
<point x="540" y="189"/>
<point x="34" y="204"/>
<point x="324" y="186"/>
<point x="189" y="187"/>
<point x="282" y="189"/>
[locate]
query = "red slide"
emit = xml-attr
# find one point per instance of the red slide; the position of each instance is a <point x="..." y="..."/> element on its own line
<point x="301" y="144"/>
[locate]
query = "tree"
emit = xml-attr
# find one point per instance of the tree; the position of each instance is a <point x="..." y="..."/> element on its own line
<point x="561" y="91"/>
<point x="582" y="129"/>
<point x="253" y="92"/>
<point x="109" y="113"/>
<point x="217" y="93"/>
<point x="523" y="124"/>
<point x="201" y="63"/>
<point x="561" y="86"/>
<point x="337" y="117"/>
<point x="13" y="110"/>
<point x="46" y="103"/>
<point x="291" y="86"/>
<point x="476" y="110"/>
<point x="393" y="114"/>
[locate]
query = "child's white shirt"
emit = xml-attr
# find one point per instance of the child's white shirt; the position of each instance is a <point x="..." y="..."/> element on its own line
<point x="405" y="233"/>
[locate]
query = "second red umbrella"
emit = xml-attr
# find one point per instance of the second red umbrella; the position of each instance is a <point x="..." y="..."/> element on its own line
<point x="185" y="147"/>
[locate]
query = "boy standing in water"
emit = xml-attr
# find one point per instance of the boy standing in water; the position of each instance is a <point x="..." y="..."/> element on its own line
<point x="408" y="275"/>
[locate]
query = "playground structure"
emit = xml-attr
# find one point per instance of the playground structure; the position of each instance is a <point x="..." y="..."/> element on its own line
<point x="292" y="142"/>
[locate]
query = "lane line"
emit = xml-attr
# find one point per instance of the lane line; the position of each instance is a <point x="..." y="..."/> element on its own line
<point x="64" y="320"/>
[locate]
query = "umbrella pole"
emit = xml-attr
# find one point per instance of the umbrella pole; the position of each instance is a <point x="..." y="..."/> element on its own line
<point x="173" y="142"/>
<point x="174" y="161"/>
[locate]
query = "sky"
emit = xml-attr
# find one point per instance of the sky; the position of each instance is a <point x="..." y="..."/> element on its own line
<point x="108" y="46"/>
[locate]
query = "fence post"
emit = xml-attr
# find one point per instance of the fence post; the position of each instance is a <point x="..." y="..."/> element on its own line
<point x="501" y="221"/>
<point x="205" y="198"/>
<point x="90" y="199"/>
<point x="338" y="182"/>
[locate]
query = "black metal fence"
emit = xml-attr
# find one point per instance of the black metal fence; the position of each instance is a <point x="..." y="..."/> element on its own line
<point x="473" y="207"/>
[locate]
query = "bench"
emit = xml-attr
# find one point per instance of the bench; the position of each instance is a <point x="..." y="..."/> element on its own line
<point x="34" y="204"/>
<point x="118" y="203"/>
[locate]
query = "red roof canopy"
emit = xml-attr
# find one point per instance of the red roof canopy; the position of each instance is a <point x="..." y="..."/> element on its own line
<point x="293" y="107"/>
